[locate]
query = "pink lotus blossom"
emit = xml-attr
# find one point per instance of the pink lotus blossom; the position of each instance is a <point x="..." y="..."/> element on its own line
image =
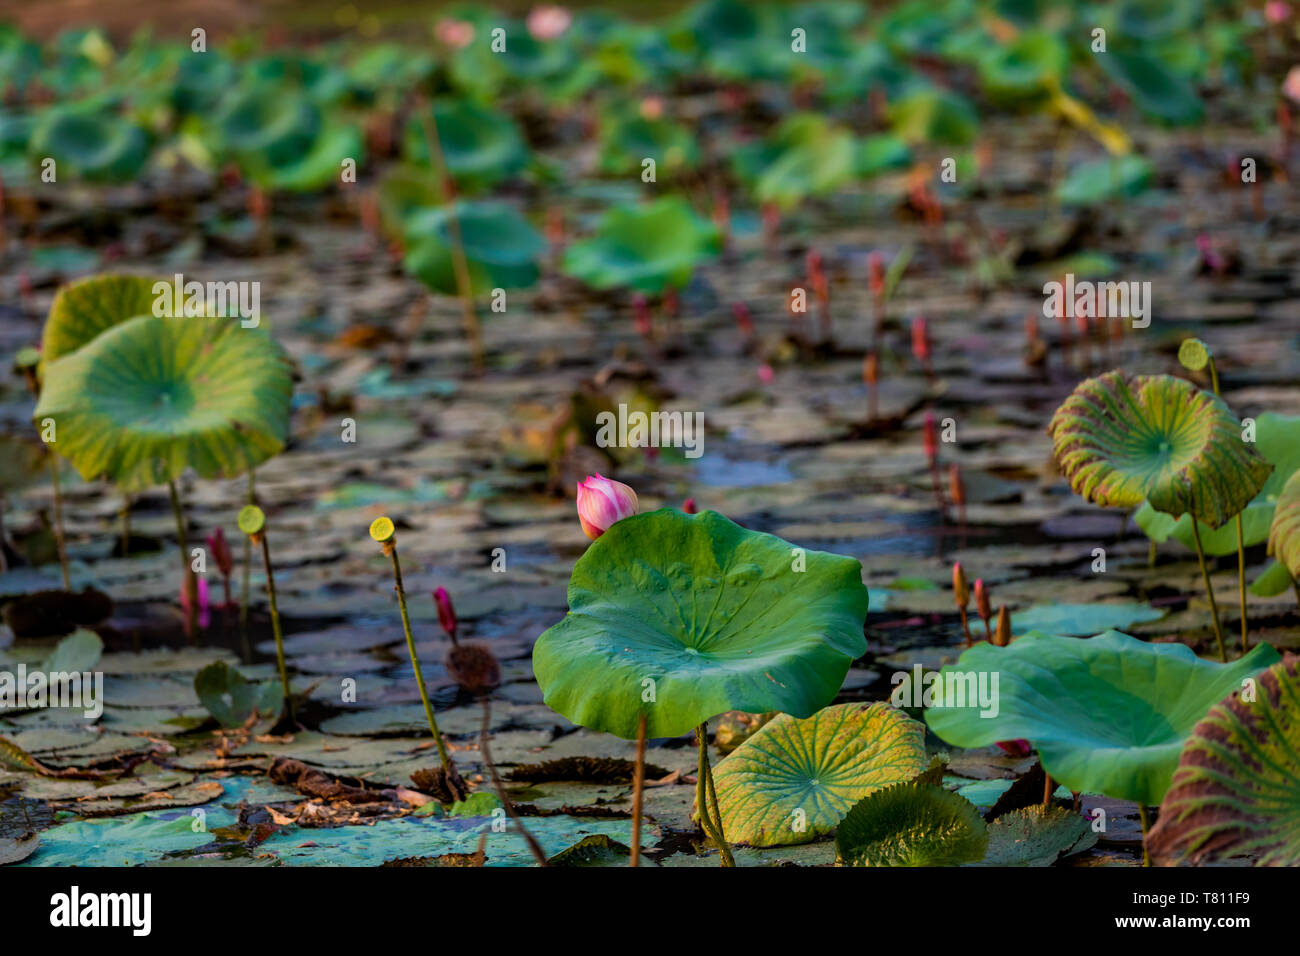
<point x="1276" y="12"/>
<point x="601" y="502"/>
<point x="456" y="34"/>
<point x="547" y="21"/>
<point x="1016" y="748"/>
<point x="1291" y="85"/>
<point x="765" y="374"/>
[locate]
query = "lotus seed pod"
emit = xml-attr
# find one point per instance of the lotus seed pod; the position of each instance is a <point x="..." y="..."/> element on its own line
<point x="1193" y="354"/>
<point x="382" y="529"/>
<point x="251" y="520"/>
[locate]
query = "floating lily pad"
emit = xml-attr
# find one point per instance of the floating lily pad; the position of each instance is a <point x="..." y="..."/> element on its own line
<point x="1104" y="180"/>
<point x="1077" y="620"/>
<point x="232" y="699"/>
<point x="153" y="396"/>
<point x="1037" y="836"/>
<point x="1122" y="439"/>
<point x="794" y="780"/>
<point x="92" y="143"/>
<point x="1107" y="714"/>
<point x="1236" y="791"/>
<point x="713" y="616"/>
<point x="76" y="653"/>
<point x="911" y="824"/>
<point x="646" y="248"/>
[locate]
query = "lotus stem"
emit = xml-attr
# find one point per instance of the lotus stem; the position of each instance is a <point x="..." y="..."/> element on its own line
<point x="1145" y="815"/>
<point x="1205" y="576"/>
<point x="534" y="847"/>
<point x="638" y="791"/>
<point x="1241" y="585"/>
<point x="703" y="790"/>
<point x="58" y="521"/>
<point x="191" y="592"/>
<point x="460" y="265"/>
<point x="1049" y="788"/>
<point x="248" y="564"/>
<point x="275" y="619"/>
<point x="390" y="547"/>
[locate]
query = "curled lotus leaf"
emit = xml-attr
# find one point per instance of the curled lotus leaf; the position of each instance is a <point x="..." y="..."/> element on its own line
<point x="1284" y="535"/>
<point x="86" y="307"/>
<point x="794" y="780"/>
<point x="1107" y="714"/>
<point x="683" y="617"/>
<point x="1123" y="439"/>
<point x="153" y="396"/>
<point x="1236" y="792"/>
<point x="911" y="824"/>
<point x="1037" y="836"/>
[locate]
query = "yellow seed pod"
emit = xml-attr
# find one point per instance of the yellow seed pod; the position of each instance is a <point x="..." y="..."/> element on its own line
<point x="382" y="529"/>
<point x="1194" y="354"/>
<point x="251" y="519"/>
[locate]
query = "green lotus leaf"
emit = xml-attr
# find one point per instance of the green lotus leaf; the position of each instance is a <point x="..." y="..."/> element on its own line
<point x="1104" y="180"/>
<point x="1284" y="536"/>
<point x="480" y="146"/>
<point x="1272" y="581"/>
<point x="501" y="247"/>
<point x="880" y="154"/>
<point x="79" y="651"/>
<point x="1236" y="791"/>
<point x="265" y="126"/>
<point x="1027" y="67"/>
<point x="627" y="141"/>
<point x="1107" y="714"/>
<point x="911" y="824"/>
<point x="1277" y="438"/>
<point x="322" y="165"/>
<point x="1122" y="439"/>
<point x="91" y="143"/>
<point x="1037" y="836"/>
<point x="794" y="780"/>
<point x="646" y="248"/>
<point x="86" y="307"/>
<point x="231" y="698"/>
<point x="152" y="396"/>
<point x="1079" y="620"/>
<point x="1156" y="19"/>
<point x="200" y="81"/>
<point x="806" y="156"/>
<point x="1155" y="89"/>
<point x="929" y="116"/>
<point x="683" y="617"/>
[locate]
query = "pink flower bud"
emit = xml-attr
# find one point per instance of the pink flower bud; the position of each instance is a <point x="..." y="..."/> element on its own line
<point x="920" y="340"/>
<point x="221" y="552"/>
<point x="1016" y="748"/>
<point x="601" y="502"/>
<point x="689" y="506"/>
<point x="982" y="600"/>
<point x="446" y="613"/>
<point x="546" y="22"/>
<point x="765" y="374"/>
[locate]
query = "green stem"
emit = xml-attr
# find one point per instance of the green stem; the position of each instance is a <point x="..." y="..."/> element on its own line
<point x="445" y="760"/>
<point x="727" y="858"/>
<point x="1145" y="816"/>
<point x="58" y="521"/>
<point x="248" y="566"/>
<point x="191" y="592"/>
<point x="533" y="846"/>
<point x="638" y="791"/>
<point x="703" y="787"/>
<point x="1241" y="585"/>
<point x="1205" y="576"/>
<point x="275" y="623"/>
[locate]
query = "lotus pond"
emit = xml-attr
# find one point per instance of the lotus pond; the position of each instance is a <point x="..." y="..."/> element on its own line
<point x="820" y="435"/>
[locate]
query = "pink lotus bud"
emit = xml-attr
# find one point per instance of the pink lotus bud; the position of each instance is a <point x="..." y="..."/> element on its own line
<point x="1276" y="12"/>
<point x="446" y="613"/>
<point x="546" y="22"/>
<point x="221" y="552"/>
<point x="982" y="600"/>
<point x="1291" y="85"/>
<point x="921" y="340"/>
<point x="601" y="502"/>
<point x="1016" y="748"/>
<point x="765" y="374"/>
<point x="652" y="107"/>
<point x="456" y="34"/>
<point x="689" y="506"/>
<point x="871" y="369"/>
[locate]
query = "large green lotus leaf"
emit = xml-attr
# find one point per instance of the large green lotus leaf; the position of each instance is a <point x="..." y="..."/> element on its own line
<point x="1107" y="714"/>
<point x="1236" y="791"/>
<point x="1272" y="581"/>
<point x="1105" y="180"/>
<point x="501" y="247"/>
<point x="794" y="780"/>
<point x="1284" y="538"/>
<point x="703" y="616"/>
<point x="94" y="144"/>
<point x="86" y="307"/>
<point x="479" y="145"/>
<point x="1123" y="439"/>
<point x="645" y="248"/>
<point x="1037" y="836"/>
<point x="1277" y="438"/>
<point x="322" y="165"/>
<point x="911" y="824"/>
<point x="153" y="396"/>
<point x="1078" y="620"/>
<point x="934" y="117"/>
<point x="266" y="126"/>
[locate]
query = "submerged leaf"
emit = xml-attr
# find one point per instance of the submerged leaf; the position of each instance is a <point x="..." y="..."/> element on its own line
<point x="1037" y="836"/>
<point x="911" y="824"/>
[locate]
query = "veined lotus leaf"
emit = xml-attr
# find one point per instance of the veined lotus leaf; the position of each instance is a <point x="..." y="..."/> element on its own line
<point x="479" y="146"/>
<point x="266" y="126"/>
<point x="1107" y="714"/>
<point x="794" y="780"/>
<point x="1123" y="439"/>
<point x="1236" y="791"/>
<point x="805" y="156"/>
<point x="911" y="824"/>
<point x="929" y="116"/>
<point x="86" y="307"/>
<point x="1277" y="438"/>
<point x="1080" y="620"/>
<point x="231" y="698"/>
<point x="1103" y="180"/>
<point x="1284" y="537"/>
<point x="683" y="617"/>
<point x="320" y="166"/>
<point x="501" y="247"/>
<point x="153" y="396"/>
<point x="1037" y="836"/>
<point x="646" y="248"/>
<point x="94" y="144"/>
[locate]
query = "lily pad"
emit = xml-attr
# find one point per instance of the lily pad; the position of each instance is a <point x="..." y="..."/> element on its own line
<point x="645" y="248"/>
<point x="1123" y="439"/>
<point x="84" y="308"/>
<point x="1037" y="836"/>
<point x="501" y="247"/>
<point x="1077" y="620"/>
<point x="934" y="117"/>
<point x="1104" y="180"/>
<point x="683" y="617"/>
<point x="805" y="156"/>
<point x="90" y="142"/>
<point x="480" y="146"/>
<point x="153" y="396"/>
<point x="1236" y="791"/>
<point x="232" y="699"/>
<point x="77" y="652"/>
<point x="911" y="824"/>
<point x="794" y="780"/>
<point x="1107" y="714"/>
